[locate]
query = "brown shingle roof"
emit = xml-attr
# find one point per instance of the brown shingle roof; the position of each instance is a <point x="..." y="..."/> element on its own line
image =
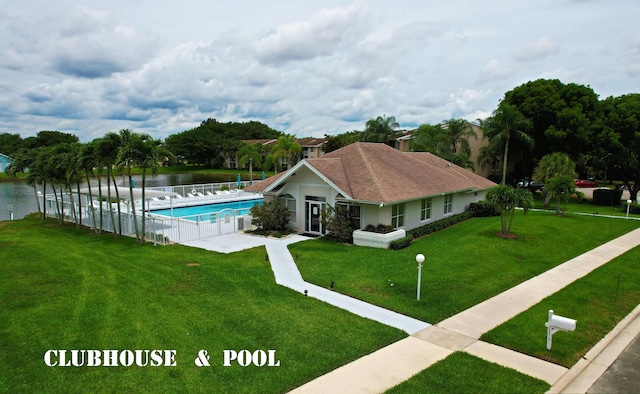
<point x="379" y="173"/>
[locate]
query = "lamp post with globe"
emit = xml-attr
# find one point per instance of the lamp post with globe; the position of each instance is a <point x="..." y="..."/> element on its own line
<point x="420" y="260"/>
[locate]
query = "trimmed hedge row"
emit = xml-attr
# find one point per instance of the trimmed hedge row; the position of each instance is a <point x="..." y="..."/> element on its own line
<point x="483" y="209"/>
<point x="401" y="243"/>
<point x="428" y="229"/>
<point x="440" y="224"/>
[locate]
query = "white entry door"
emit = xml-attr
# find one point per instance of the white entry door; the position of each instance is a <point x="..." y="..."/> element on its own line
<point x="313" y="224"/>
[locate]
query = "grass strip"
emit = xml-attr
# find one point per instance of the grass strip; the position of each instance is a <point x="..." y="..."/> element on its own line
<point x="598" y="302"/>
<point x="463" y="373"/>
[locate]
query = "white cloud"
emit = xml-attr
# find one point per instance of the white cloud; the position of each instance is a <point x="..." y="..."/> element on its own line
<point x="305" y="40"/>
<point x="544" y="47"/>
<point x="311" y="67"/>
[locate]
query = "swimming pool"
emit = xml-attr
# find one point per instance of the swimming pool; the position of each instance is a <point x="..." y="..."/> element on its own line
<point x="209" y="211"/>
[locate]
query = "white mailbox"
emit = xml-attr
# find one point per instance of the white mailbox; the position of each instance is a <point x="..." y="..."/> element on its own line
<point x="557" y="323"/>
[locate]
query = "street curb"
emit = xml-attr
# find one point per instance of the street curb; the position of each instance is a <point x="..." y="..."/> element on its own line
<point x="577" y="378"/>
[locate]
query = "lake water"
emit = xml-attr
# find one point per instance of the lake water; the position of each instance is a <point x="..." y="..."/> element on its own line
<point x="22" y="200"/>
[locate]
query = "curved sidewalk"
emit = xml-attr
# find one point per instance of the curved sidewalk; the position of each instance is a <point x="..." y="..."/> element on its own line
<point x="286" y="274"/>
<point x="428" y="344"/>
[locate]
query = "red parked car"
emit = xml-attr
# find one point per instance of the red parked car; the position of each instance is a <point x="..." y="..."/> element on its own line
<point x="586" y="183"/>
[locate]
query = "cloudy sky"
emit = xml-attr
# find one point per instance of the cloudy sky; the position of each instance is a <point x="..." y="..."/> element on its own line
<point x="306" y="68"/>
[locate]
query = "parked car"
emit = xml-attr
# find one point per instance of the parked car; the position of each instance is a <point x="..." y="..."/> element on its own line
<point x="586" y="183"/>
<point x="533" y="186"/>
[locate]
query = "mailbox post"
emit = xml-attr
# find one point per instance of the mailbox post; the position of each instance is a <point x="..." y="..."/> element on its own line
<point x="557" y="323"/>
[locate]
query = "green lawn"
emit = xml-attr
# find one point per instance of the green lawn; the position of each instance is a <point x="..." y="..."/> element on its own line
<point x="63" y="288"/>
<point x="598" y="302"/>
<point x="576" y="205"/>
<point x="464" y="265"/>
<point x="463" y="373"/>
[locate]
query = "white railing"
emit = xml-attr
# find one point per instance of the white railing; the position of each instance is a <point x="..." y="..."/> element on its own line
<point x="159" y="229"/>
<point x="190" y="228"/>
<point x="203" y="188"/>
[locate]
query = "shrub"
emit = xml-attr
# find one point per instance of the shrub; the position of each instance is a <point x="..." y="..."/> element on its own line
<point x="401" y="243"/>
<point x="607" y="197"/>
<point x="440" y="224"/>
<point x="338" y="223"/>
<point x="272" y="215"/>
<point x="380" y="228"/>
<point x="483" y="209"/>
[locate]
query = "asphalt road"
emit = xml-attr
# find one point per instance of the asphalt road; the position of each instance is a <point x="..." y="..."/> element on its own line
<point x="623" y="376"/>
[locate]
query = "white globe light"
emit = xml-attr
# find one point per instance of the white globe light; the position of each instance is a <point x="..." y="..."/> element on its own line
<point x="420" y="258"/>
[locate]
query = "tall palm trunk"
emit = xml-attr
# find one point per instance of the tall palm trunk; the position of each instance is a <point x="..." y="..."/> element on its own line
<point x="44" y="200"/>
<point x="93" y="210"/>
<point x="35" y="191"/>
<point x="79" y="200"/>
<point x="133" y="204"/>
<point x="115" y="186"/>
<point x="100" y="201"/>
<point x="110" y="204"/>
<point x="144" y="216"/>
<point x="506" y="152"/>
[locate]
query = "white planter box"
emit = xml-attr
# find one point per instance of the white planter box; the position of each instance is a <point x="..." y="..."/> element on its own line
<point x="376" y="240"/>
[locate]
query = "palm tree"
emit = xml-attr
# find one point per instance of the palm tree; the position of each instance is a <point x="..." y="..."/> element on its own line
<point x="152" y="152"/>
<point x="251" y="153"/>
<point x="553" y="165"/>
<point x="457" y="132"/>
<point x="107" y="155"/>
<point x="128" y="155"/>
<point x="506" y="199"/>
<point x="26" y="161"/>
<point x="87" y="162"/>
<point x="506" y="123"/>
<point x="380" y="129"/>
<point x="561" y="187"/>
<point x="286" y="147"/>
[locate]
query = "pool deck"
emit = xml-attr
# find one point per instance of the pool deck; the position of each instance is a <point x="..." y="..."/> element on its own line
<point x="202" y="199"/>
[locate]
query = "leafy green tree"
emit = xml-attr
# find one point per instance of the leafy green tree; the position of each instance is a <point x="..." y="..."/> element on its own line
<point x="380" y="129"/>
<point x="621" y="126"/>
<point x="563" y="117"/>
<point x="505" y="200"/>
<point x="49" y="138"/>
<point x="10" y="144"/>
<point x="336" y="142"/>
<point x="506" y="123"/>
<point x="447" y="140"/>
<point x="429" y="138"/>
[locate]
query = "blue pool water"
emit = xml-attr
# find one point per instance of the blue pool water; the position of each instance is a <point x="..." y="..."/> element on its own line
<point x="207" y="212"/>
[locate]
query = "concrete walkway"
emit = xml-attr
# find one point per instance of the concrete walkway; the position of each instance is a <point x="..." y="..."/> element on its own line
<point x="428" y="344"/>
<point x="287" y="274"/>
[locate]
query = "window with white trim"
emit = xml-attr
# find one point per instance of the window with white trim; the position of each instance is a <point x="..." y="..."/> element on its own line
<point x="290" y="203"/>
<point x="448" y="203"/>
<point x="397" y="215"/>
<point x="425" y="210"/>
